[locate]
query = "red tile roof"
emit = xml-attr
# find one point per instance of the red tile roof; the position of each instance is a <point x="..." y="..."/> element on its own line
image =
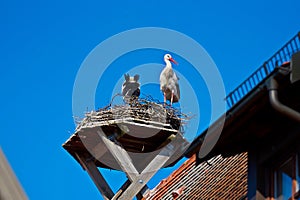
<point x="220" y="178"/>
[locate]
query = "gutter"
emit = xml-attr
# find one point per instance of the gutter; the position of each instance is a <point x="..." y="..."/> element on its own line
<point x="277" y="105"/>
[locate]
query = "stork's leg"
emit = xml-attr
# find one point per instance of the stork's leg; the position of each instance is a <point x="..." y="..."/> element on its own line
<point x="165" y="98"/>
<point x="172" y="96"/>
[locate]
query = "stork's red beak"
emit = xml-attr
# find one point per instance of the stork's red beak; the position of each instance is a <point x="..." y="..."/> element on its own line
<point x="173" y="61"/>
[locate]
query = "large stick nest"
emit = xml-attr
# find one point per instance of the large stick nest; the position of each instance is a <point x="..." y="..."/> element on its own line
<point x="141" y="110"/>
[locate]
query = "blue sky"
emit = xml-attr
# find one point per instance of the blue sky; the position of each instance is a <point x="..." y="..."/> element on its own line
<point x="43" y="45"/>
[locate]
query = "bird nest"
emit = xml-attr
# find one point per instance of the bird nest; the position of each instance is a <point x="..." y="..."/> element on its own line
<point x="142" y="125"/>
<point x="141" y="110"/>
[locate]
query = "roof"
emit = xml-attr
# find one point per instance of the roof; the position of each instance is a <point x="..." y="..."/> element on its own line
<point x="10" y="187"/>
<point x="251" y="122"/>
<point x="219" y="178"/>
<point x="254" y="122"/>
<point x="251" y="118"/>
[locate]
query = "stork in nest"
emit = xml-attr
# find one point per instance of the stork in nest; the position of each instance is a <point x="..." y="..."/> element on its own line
<point x="169" y="81"/>
<point x="131" y="88"/>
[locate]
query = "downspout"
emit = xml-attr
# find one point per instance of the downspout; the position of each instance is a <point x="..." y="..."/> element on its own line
<point x="277" y="105"/>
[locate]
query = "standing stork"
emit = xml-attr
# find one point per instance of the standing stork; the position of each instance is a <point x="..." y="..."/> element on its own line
<point x="169" y="81"/>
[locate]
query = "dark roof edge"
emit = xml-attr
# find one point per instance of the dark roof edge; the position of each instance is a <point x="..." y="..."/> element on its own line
<point x="243" y="101"/>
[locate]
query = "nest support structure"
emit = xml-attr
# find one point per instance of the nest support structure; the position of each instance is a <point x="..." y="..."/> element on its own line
<point x="113" y="136"/>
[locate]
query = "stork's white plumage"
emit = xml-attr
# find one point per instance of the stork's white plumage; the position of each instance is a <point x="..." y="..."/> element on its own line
<point x="169" y="81"/>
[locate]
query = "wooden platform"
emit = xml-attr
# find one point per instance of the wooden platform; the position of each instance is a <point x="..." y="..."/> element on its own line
<point x="133" y="135"/>
<point x="137" y="139"/>
<point x="133" y="146"/>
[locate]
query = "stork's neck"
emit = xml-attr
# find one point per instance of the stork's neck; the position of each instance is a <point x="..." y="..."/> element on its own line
<point x="168" y="63"/>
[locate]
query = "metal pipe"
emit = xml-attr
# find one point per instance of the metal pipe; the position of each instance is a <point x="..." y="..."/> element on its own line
<point x="277" y="105"/>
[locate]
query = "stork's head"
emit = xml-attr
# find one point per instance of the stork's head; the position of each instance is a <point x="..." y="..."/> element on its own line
<point x="168" y="57"/>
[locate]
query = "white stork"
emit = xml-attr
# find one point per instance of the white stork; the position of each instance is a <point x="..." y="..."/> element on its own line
<point x="169" y="81"/>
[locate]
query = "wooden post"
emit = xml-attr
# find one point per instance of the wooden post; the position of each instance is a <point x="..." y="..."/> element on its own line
<point x="142" y="193"/>
<point x="96" y="176"/>
<point x="138" y="180"/>
<point x="121" y="156"/>
<point x="121" y="190"/>
<point x="151" y="169"/>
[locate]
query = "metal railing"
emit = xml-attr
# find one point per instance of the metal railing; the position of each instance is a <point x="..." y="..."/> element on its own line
<point x="283" y="55"/>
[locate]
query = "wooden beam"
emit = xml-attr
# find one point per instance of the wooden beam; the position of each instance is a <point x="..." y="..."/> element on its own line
<point x="147" y="124"/>
<point x="142" y="193"/>
<point x="96" y="176"/>
<point x="138" y="180"/>
<point x="141" y="180"/>
<point x="121" y="156"/>
<point x="121" y="190"/>
<point x="98" y="151"/>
